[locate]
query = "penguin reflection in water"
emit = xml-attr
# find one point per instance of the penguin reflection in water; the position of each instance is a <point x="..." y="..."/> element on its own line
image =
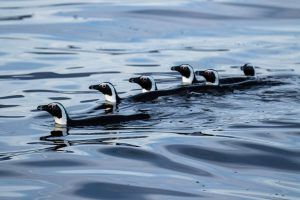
<point x="57" y="138"/>
<point x="61" y="117"/>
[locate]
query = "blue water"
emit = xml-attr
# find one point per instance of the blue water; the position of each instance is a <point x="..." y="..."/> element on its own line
<point x="240" y="145"/>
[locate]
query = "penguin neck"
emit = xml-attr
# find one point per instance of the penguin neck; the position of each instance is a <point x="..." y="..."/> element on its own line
<point x="112" y="99"/>
<point x="153" y="88"/>
<point x="63" y="120"/>
<point x="216" y="82"/>
<point x="190" y="80"/>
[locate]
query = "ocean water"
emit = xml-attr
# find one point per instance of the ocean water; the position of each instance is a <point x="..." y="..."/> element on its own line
<point x="239" y="145"/>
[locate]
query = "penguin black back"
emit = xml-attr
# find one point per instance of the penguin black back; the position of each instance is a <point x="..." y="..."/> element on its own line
<point x="61" y="117"/>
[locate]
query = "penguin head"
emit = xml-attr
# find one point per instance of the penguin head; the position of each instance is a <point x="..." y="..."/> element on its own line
<point x="187" y="73"/>
<point x="109" y="91"/>
<point x="211" y="76"/>
<point x="146" y="82"/>
<point x="58" y="112"/>
<point x="248" y="69"/>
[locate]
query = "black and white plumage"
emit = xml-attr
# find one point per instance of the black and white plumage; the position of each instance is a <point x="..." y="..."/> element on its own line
<point x="61" y="117"/>
<point x="110" y="94"/>
<point x="211" y="76"/>
<point x="187" y="74"/>
<point x="146" y="82"/>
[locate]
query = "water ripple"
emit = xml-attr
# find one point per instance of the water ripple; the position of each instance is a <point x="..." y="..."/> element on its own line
<point x="108" y="191"/>
<point x="234" y="159"/>
<point x="152" y="158"/>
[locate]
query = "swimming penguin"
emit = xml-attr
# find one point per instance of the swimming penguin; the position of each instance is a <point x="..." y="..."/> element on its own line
<point x="110" y="94"/>
<point x="212" y="83"/>
<point x="146" y="82"/>
<point x="211" y="76"/>
<point x="187" y="74"/>
<point x="61" y="117"/>
<point x="150" y="91"/>
<point x="248" y="69"/>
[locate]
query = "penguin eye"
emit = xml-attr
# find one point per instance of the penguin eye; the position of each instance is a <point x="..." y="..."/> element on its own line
<point x="103" y="86"/>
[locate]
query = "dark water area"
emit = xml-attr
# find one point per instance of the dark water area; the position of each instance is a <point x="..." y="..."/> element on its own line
<point x="238" y="145"/>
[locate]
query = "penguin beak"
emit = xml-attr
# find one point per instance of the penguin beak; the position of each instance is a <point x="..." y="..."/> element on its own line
<point x="201" y="73"/>
<point x="94" y="87"/>
<point x="42" y="107"/>
<point x="175" y="68"/>
<point x="134" y="80"/>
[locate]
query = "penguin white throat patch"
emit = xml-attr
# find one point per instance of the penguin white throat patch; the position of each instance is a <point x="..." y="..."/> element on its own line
<point x="153" y="85"/>
<point x="113" y="97"/>
<point x="188" y="80"/>
<point x="216" y="81"/>
<point x="63" y="119"/>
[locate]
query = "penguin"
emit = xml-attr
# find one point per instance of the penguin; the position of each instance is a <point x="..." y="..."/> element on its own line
<point x="212" y="83"/>
<point x="110" y="94"/>
<point x="187" y="74"/>
<point x="146" y="82"/>
<point x="61" y="117"/>
<point x="248" y="69"/>
<point x="150" y="91"/>
<point x="211" y="76"/>
<point x="249" y="75"/>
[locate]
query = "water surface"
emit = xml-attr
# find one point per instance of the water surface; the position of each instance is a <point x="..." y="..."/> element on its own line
<point x="240" y="145"/>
